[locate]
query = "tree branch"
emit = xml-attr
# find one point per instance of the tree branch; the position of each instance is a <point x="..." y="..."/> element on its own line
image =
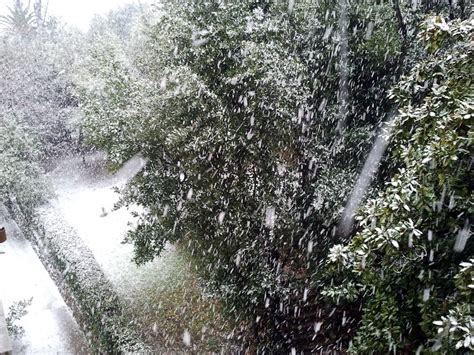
<point x="401" y="25"/>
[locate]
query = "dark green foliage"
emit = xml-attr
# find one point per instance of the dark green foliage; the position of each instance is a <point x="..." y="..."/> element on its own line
<point x="414" y="234"/>
<point x="234" y="105"/>
<point x="237" y="108"/>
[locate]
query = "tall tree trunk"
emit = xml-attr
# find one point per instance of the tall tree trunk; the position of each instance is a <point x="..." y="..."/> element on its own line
<point x="343" y="92"/>
<point x="40" y="12"/>
<point x="462" y="8"/>
<point x="402" y="29"/>
<point x="427" y="5"/>
<point x="401" y="25"/>
<point x="451" y="9"/>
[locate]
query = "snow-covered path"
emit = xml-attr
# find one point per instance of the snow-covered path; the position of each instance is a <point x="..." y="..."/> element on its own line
<point x="49" y="325"/>
<point x="85" y="196"/>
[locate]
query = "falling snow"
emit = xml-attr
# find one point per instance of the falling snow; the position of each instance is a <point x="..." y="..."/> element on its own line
<point x="238" y="177"/>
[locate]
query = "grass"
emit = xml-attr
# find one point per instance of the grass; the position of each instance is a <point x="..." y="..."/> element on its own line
<point x="173" y="305"/>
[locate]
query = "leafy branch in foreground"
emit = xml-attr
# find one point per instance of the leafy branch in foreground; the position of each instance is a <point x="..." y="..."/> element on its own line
<point x="15" y="312"/>
<point x="415" y="233"/>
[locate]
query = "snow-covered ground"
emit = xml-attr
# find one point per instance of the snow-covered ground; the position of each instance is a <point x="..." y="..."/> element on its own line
<point x="85" y="196"/>
<point x="163" y="298"/>
<point x="49" y="325"/>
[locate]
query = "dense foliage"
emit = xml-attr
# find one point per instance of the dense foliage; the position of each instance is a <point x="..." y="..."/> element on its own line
<point x="238" y="108"/>
<point x="414" y="233"/>
<point x="37" y="106"/>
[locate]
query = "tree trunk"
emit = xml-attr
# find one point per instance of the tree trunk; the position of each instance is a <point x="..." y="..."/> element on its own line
<point x="462" y="8"/>
<point x="427" y="5"/>
<point x="401" y="25"/>
<point x="40" y="12"/>
<point x="343" y="94"/>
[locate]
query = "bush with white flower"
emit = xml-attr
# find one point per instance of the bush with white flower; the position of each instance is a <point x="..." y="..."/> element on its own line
<point x="340" y="254"/>
<point x="458" y="328"/>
